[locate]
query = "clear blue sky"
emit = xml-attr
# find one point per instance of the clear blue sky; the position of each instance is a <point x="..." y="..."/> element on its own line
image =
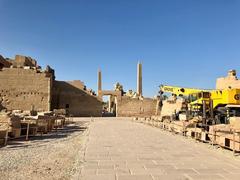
<point x="180" y="42"/>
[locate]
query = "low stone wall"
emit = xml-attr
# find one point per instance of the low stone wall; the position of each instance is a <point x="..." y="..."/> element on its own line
<point x="129" y="107"/>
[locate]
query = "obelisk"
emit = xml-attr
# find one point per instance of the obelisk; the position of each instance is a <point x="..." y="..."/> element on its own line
<point x="139" y="79"/>
<point x="100" y="84"/>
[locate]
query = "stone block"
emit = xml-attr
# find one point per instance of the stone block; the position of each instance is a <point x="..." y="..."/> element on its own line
<point x="135" y="177"/>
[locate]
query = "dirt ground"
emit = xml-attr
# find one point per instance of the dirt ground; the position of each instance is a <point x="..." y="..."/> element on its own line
<point x="57" y="155"/>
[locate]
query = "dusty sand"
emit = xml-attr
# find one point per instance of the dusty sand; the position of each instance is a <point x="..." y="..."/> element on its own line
<point x="57" y="155"/>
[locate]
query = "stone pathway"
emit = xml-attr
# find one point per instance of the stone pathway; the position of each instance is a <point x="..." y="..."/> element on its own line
<point x="119" y="149"/>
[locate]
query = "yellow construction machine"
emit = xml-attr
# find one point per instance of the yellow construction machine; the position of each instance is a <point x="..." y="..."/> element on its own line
<point x="179" y="91"/>
<point x="215" y="106"/>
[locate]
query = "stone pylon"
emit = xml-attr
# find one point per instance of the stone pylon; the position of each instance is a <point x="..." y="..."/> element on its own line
<point x="100" y="83"/>
<point x="139" y="79"/>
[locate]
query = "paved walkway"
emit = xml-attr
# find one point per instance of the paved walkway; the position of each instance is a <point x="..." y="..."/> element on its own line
<point x="125" y="150"/>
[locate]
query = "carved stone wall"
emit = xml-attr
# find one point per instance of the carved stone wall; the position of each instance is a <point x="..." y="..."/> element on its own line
<point x="24" y="89"/>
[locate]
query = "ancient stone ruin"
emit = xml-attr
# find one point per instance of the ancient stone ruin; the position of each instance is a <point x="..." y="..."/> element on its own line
<point x="230" y="81"/>
<point x="25" y="86"/>
<point x="128" y="104"/>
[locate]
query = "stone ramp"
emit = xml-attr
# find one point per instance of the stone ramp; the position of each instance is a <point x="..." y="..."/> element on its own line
<point x="119" y="149"/>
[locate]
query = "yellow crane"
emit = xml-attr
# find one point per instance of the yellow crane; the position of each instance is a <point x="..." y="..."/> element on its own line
<point x="218" y="104"/>
<point x="180" y="91"/>
<point x="194" y="96"/>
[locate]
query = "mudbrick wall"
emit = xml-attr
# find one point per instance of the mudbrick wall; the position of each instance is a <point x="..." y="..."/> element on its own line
<point x="25" y="89"/>
<point x="129" y="107"/>
<point x="75" y="99"/>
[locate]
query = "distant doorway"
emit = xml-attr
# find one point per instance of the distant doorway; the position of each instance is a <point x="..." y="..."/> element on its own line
<point x="109" y="106"/>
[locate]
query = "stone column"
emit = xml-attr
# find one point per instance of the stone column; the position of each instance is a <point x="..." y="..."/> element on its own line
<point x="139" y="79"/>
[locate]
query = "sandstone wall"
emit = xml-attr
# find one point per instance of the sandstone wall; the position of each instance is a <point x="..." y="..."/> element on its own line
<point x="76" y="100"/>
<point x="4" y="63"/>
<point x="21" y="61"/>
<point x="21" y="89"/>
<point x="229" y="82"/>
<point x="225" y="83"/>
<point x="128" y="107"/>
<point x="77" y="83"/>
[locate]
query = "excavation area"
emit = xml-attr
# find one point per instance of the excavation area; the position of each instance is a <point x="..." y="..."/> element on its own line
<point x="114" y="149"/>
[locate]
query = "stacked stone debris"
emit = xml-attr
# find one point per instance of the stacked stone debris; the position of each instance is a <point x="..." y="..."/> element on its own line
<point x="10" y="124"/>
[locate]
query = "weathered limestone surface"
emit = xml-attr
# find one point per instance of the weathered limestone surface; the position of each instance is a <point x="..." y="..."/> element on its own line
<point x="21" y="61"/>
<point x="230" y="81"/>
<point x="24" y="88"/>
<point x="130" y="107"/>
<point x="119" y="149"/>
<point x="77" y="83"/>
<point x="77" y="101"/>
<point x="172" y="106"/>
